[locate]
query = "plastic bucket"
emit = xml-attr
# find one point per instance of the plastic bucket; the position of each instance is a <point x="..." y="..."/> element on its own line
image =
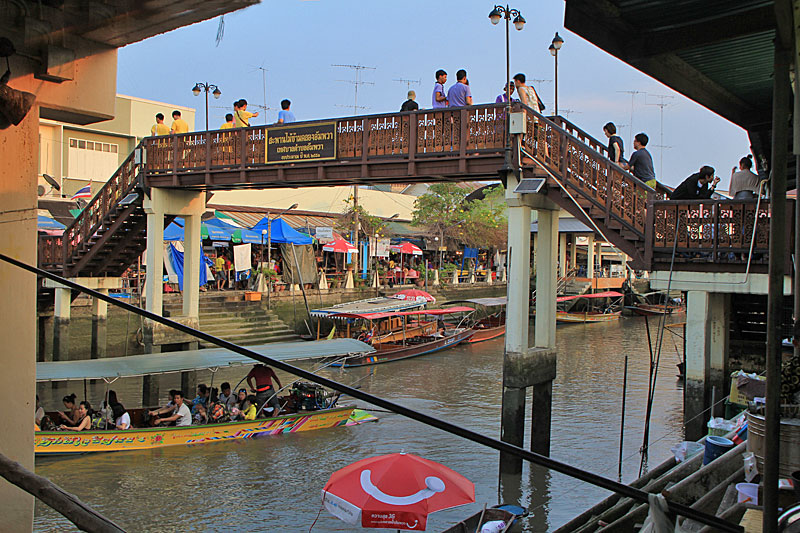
<point x="748" y="492"/>
<point x="716" y="446"/>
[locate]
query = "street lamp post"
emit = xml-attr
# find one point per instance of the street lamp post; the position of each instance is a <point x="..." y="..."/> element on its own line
<point x="269" y="248"/>
<point x="555" y="46"/>
<point x="205" y="87"/>
<point x="497" y="13"/>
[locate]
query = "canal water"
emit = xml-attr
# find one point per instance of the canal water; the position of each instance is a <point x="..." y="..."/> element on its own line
<point x="273" y="484"/>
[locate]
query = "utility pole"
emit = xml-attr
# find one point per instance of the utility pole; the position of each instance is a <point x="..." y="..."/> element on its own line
<point x="661" y="104"/>
<point x="633" y="100"/>
<point x="264" y="84"/>
<point x="356" y="83"/>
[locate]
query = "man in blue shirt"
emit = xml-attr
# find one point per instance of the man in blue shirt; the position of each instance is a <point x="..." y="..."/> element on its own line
<point x="285" y="115"/>
<point x="439" y="96"/>
<point x="459" y="94"/>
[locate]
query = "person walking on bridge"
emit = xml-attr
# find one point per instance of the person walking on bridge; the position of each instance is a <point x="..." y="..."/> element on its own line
<point x="265" y="392"/>
<point x="241" y="115"/>
<point x="615" y="146"/>
<point x="439" y="96"/>
<point x="228" y="122"/>
<point x="527" y="94"/>
<point x="641" y="162"/>
<point x="460" y="94"/>
<point x="159" y="128"/>
<point x="178" y="124"/>
<point x="410" y="104"/>
<point x="744" y="182"/>
<point x="285" y="115"/>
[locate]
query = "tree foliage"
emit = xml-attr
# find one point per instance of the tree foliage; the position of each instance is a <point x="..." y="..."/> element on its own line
<point x="440" y="209"/>
<point x="369" y="225"/>
<point x="486" y="224"/>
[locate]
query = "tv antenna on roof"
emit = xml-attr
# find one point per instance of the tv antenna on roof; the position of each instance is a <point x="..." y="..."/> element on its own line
<point x="356" y="83"/>
<point x="264" y="107"/>
<point x="661" y="104"/>
<point x="408" y="83"/>
<point x="633" y="97"/>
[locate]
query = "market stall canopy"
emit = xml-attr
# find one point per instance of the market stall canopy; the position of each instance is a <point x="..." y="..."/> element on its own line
<point x="340" y="246"/>
<point x="414" y="295"/>
<point x="406" y="248"/>
<point x="170" y="362"/>
<point x="47" y="223"/>
<point x="369" y="305"/>
<point x="281" y="232"/>
<point x="175" y="231"/>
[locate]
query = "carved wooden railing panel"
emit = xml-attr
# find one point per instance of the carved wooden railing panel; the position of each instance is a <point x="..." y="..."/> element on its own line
<point x="716" y="231"/>
<point x="90" y="219"/>
<point x="50" y="252"/>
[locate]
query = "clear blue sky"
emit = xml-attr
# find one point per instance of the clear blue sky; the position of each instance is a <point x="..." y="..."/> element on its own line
<point x="298" y="41"/>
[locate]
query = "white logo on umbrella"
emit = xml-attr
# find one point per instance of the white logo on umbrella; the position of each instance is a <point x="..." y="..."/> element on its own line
<point x="432" y="486"/>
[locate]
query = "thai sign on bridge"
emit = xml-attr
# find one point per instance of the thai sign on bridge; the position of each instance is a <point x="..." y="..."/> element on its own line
<point x="312" y="142"/>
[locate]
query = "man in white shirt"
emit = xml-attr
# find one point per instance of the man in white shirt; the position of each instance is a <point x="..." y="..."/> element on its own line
<point x="180" y="413"/>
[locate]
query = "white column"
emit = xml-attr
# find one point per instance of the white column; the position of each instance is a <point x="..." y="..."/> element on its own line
<point x="546" y="279"/>
<point x="153" y="287"/>
<point x="519" y="285"/>
<point x="192" y="244"/>
<point x="562" y="249"/>
<point x="590" y="256"/>
<point x="573" y="251"/>
<point x="599" y="254"/>
<point x="61" y="317"/>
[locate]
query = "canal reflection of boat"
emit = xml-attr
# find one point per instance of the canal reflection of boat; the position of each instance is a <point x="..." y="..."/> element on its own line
<point x="489" y="319"/>
<point x="609" y="309"/>
<point x="307" y="407"/>
<point x="508" y="514"/>
<point x="410" y="345"/>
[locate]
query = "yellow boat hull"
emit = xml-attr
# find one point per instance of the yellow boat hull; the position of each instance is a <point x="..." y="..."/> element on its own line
<point x="71" y="442"/>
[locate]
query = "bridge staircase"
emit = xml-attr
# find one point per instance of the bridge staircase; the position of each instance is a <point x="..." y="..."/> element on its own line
<point x="106" y="237"/>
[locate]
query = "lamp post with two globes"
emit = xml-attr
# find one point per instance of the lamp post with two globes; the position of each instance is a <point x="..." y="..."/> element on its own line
<point x="555" y="46"/>
<point x="206" y="87"/>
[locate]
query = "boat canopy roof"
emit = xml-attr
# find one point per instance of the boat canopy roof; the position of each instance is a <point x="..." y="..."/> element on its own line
<point x="607" y="294"/>
<point x="168" y="362"/>
<point x="370" y="305"/>
<point x="485" y="302"/>
<point x="374" y="316"/>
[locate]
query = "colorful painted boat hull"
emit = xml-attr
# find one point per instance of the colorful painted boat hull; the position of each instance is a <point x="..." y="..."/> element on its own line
<point x="563" y="316"/>
<point x="72" y="442"/>
<point x="485" y="334"/>
<point x="406" y="352"/>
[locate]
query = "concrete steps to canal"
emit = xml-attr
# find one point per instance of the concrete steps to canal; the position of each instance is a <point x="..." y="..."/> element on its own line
<point x="227" y="315"/>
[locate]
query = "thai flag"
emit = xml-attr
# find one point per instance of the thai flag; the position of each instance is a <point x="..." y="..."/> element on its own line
<point x="83" y="192"/>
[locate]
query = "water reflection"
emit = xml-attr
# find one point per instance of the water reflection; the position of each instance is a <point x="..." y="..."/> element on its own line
<point x="274" y="483"/>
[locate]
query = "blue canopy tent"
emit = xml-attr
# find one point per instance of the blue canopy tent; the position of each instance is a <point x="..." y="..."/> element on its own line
<point x="175" y="231"/>
<point x="176" y="260"/>
<point x="47" y="223"/>
<point x="281" y="232"/>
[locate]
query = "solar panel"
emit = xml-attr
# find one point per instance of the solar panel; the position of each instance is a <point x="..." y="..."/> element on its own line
<point x="530" y="186"/>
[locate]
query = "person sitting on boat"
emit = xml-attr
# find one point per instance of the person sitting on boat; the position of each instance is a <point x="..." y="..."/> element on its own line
<point x="263" y="376"/>
<point x="241" y="398"/>
<point x="227" y="399"/>
<point x="200" y="414"/>
<point x="71" y="415"/>
<point x="122" y="420"/>
<point x="250" y="409"/>
<point x="38" y="415"/>
<point x="201" y="399"/>
<point x="440" y="326"/>
<point x="84" y="418"/>
<point x="181" y="415"/>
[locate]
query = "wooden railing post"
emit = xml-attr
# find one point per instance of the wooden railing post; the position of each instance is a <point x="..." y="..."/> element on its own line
<point x="413" y="119"/>
<point x="365" y="138"/>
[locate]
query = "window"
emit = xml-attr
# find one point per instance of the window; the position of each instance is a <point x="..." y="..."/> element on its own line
<point x="73" y="143"/>
<point x="82" y="145"/>
<point x="91" y="160"/>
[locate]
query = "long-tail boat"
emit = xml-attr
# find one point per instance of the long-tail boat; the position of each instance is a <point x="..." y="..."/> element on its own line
<point x="490" y="321"/>
<point x="365" y="325"/>
<point x="299" y="412"/>
<point x="604" y="313"/>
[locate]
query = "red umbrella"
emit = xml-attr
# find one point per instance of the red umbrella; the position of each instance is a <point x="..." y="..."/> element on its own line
<point x="406" y="248"/>
<point x="340" y="246"/>
<point x="414" y="295"/>
<point x="395" y="491"/>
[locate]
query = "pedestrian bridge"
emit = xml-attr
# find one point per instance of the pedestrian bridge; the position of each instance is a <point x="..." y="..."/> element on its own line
<point x="452" y="144"/>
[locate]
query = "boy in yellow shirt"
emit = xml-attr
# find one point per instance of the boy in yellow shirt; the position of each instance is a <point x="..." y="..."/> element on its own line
<point x="178" y="124"/>
<point x="159" y="128"/>
<point x="228" y="122"/>
<point x="242" y="115"/>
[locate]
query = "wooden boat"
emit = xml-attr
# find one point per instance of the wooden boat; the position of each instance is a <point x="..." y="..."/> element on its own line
<point x="409" y="346"/>
<point x="655" y="309"/>
<point x="493" y="322"/>
<point x="297" y="415"/>
<point x="606" y="314"/>
<point x="387" y="331"/>
<point x="507" y="513"/>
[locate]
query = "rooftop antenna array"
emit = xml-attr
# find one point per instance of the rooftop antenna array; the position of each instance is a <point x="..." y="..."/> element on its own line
<point x="408" y="83"/>
<point x="633" y="101"/>
<point x="662" y="103"/>
<point x="356" y="83"/>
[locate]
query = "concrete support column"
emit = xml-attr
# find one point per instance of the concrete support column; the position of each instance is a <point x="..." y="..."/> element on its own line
<point x="192" y="245"/>
<point x="546" y="280"/>
<point x="590" y="256"/>
<point x="99" y="326"/>
<point x="707" y="322"/>
<point x="154" y="286"/>
<point x="45" y="323"/>
<point x="61" y="314"/>
<point x="562" y="249"/>
<point x="599" y="254"/>
<point x="519" y="266"/>
<point x="573" y="252"/>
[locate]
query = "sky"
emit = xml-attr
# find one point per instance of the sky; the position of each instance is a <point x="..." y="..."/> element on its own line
<point x="298" y="41"/>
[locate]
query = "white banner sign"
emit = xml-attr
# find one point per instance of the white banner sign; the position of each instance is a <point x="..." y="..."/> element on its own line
<point x="324" y="233"/>
<point x="382" y="248"/>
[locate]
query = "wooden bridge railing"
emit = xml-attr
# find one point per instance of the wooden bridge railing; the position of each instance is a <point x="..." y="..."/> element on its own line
<point x="717" y="232"/>
<point x="580" y="163"/>
<point x="51" y="252"/>
<point x="455" y="131"/>
<point x="90" y="219"/>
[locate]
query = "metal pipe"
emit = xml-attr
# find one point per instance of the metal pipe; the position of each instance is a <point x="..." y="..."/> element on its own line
<point x="454" y="429"/>
<point x="777" y="248"/>
<point x="622" y="417"/>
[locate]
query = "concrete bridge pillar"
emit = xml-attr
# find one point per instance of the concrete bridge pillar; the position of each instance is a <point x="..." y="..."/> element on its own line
<point x="99" y="326"/>
<point x="573" y="252"/>
<point x="590" y="256"/>
<point x="707" y="336"/>
<point x="562" y="251"/>
<point x="61" y="316"/>
<point x="524" y="366"/>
